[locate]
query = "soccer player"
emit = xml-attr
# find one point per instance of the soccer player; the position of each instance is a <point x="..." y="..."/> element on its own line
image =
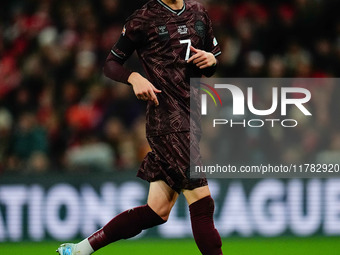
<point x="174" y="41"/>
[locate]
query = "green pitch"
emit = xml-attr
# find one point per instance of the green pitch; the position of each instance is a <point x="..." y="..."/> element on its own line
<point x="231" y="246"/>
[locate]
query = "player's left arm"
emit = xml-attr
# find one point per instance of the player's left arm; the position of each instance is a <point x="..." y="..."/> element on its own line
<point x="202" y="59"/>
<point x="205" y="58"/>
<point x="206" y="61"/>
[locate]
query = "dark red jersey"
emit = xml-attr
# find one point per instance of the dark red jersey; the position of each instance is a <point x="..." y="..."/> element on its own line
<point x="162" y="38"/>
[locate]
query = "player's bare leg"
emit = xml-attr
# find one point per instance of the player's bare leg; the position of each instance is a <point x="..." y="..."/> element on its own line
<point x="161" y="198"/>
<point x="129" y="223"/>
<point x="201" y="207"/>
<point x="196" y="194"/>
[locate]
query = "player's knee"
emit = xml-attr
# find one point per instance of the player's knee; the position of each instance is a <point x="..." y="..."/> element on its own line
<point x="204" y="206"/>
<point x="164" y="213"/>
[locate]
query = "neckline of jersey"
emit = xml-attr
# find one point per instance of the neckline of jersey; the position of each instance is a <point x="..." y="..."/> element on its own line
<point x="172" y="10"/>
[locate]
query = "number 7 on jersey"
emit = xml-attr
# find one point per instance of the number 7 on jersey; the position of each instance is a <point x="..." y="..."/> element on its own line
<point x="186" y="41"/>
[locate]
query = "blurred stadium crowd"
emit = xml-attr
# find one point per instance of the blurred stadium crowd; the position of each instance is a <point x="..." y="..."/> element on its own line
<point x="58" y="111"/>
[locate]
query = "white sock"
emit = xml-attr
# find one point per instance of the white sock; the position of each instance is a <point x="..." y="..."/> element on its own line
<point x="84" y="248"/>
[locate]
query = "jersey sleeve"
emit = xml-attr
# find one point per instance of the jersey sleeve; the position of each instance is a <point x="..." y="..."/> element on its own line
<point x="211" y="44"/>
<point x="131" y="38"/>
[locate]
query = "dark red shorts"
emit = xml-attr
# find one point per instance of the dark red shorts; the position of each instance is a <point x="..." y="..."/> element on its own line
<point x="169" y="161"/>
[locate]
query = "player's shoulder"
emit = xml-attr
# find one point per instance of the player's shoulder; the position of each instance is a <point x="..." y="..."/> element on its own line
<point x="195" y="6"/>
<point x="143" y="14"/>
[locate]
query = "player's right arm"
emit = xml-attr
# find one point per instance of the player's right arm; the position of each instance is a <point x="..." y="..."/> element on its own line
<point x="144" y="90"/>
<point x="115" y="70"/>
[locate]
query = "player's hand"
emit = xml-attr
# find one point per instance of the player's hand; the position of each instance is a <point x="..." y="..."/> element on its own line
<point x="201" y="58"/>
<point x="144" y="90"/>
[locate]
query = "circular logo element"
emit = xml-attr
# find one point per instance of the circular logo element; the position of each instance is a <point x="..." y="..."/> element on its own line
<point x="200" y="28"/>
